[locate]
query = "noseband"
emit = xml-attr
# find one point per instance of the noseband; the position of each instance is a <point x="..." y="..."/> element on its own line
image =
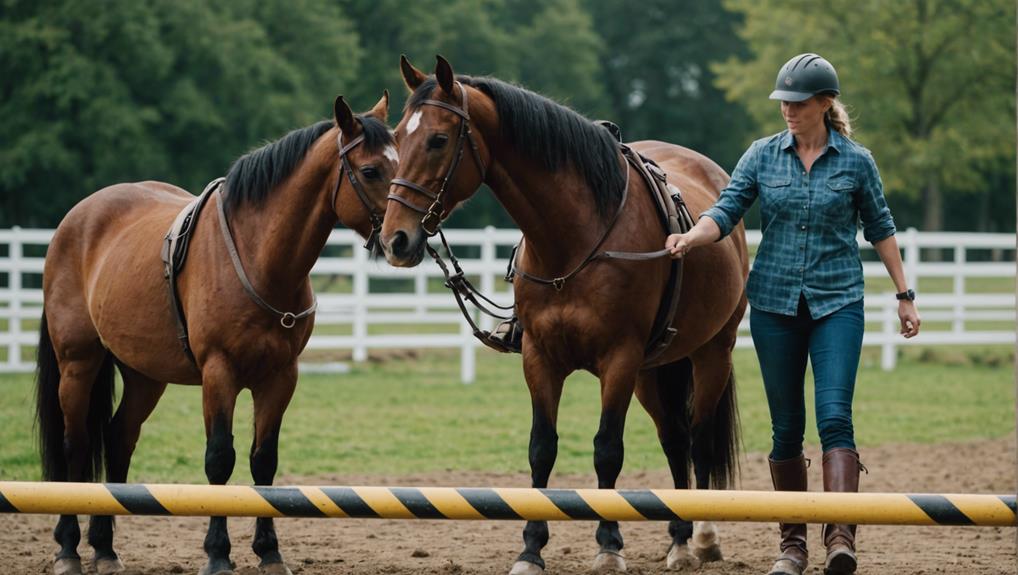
<point x="432" y="219"/>
<point x="344" y="166"/>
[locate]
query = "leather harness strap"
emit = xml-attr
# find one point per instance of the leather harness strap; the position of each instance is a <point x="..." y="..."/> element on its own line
<point x="177" y="241"/>
<point x="286" y="319"/>
<point x="174" y="253"/>
<point x="432" y="220"/>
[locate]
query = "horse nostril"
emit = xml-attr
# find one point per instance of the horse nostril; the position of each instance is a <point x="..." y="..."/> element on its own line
<point x="399" y="243"/>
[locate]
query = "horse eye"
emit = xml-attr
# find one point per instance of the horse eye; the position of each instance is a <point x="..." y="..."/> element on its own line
<point x="437" y="141"/>
<point x="370" y="173"/>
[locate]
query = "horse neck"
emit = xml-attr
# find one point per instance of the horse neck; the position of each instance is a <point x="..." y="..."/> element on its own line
<point x="555" y="211"/>
<point x="280" y="238"/>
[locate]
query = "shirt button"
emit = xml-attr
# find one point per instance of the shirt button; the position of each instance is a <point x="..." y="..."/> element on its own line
<point x="804" y="173"/>
<point x="803" y="227"/>
<point x="805" y="207"/>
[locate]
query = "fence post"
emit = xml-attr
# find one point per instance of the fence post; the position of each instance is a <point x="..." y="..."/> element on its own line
<point x="468" y="354"/>
<point x="888" y="350"/>
<point x="488" y="276"/>
<point x="959" y="289"/>
<point x="14" y="284"/>
<point x="912" y="258"/>
<point x="360" y="310"/>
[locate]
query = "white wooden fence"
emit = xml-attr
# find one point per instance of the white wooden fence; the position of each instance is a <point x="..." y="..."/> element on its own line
<point x="349" y="319"/>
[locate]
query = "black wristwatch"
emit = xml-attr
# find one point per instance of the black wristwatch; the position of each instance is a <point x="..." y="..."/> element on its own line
<point x="906" y="295"/>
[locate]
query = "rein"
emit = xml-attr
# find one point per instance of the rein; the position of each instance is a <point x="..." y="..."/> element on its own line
<point x="432" y="220"/>
<point x="559" y="282"/>
<point x="286" y="319"/>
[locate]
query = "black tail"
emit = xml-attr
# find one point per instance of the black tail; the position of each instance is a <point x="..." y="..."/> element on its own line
<point x="50" y="418"/>
<point x="725" y="438"/>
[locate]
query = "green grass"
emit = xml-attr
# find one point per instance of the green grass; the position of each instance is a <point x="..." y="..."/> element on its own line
<point x="407" y="416"/>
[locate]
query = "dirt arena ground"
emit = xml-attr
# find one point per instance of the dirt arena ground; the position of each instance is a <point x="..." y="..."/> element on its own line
<point x="164" y="545"/>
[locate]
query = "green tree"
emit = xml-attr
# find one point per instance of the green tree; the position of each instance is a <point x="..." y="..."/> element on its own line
<point x="931" y="84"/>
<point x="98" y="92"/>
<point x="656" y="70"/>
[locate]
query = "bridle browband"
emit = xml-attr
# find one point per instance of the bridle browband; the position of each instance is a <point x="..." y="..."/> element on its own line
<point x="432" y="220"/>
<point x="344" y="166"/>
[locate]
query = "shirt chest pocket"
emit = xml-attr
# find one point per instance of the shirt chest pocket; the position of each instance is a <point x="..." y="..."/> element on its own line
<point x="836" y="197"/>
<point x="774" y="191"/>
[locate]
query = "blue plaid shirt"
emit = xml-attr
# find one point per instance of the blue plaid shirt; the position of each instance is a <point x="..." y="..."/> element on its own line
<point x="808" y="220"/>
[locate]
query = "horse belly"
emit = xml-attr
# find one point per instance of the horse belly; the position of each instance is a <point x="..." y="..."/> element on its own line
<point x="128" y="300"/>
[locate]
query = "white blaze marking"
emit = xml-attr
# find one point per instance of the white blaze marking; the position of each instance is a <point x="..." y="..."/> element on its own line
<point x="391" y="153"/>
<point x="415" y="121"/>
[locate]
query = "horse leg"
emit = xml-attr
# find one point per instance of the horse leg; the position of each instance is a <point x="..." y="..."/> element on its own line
<point x="545" y="379"/>
<point x="664" y="394"/>
<point x="270" y="401"/>
<point x="714" y="421"/>
<point x="140" y="396"/>
<point x="79" y="374"/>
<point x="618" y="380"/>
<point x="219" y="397"/>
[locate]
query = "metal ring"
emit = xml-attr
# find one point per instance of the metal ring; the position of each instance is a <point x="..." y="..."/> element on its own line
<point x="288" y="320"/>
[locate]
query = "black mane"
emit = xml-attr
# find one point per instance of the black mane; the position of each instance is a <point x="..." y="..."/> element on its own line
<point x="257" y="172"/>
<point x="551" y="134"/>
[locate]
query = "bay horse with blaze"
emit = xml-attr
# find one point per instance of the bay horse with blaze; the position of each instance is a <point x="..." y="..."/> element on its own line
<point x="562" y="179"/>
<point x="106" y="304"/>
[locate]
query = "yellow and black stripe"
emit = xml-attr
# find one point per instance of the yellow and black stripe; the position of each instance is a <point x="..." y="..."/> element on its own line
<point x="506" y="503"/>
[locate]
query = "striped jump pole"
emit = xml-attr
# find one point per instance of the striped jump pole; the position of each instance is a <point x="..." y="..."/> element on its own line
<point x="506" y="503"/>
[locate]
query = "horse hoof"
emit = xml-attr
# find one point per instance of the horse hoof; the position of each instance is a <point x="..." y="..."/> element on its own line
<point x="274" y="569"/>
<point x="526" y="568"/>
<point x="708" y="554"/>
<point x="679" y="559"/>
<point x="107" y="566"/>
<point x="609" y="562"/>
<point x="67" y="566"/>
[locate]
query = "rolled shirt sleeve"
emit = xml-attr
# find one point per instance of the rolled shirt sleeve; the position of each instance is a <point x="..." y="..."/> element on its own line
<point x="877" y="222"/>
<point x="738" y="195"/>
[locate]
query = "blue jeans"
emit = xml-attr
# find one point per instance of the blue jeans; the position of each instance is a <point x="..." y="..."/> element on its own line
<point x="832" y="343"/>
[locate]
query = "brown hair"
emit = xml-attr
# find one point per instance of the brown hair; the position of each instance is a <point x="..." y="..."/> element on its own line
<point x="837" y="117"/>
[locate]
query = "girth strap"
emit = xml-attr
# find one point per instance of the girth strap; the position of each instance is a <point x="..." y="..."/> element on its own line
<point x="174" y="254"/>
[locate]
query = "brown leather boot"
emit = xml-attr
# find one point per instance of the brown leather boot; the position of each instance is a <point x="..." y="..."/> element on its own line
<point x="841" y="473"/>
<point x="790" y="475"/>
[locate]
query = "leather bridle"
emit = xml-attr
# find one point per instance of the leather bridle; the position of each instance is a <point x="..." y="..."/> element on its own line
<point x="432" y="220"/>
<point x="344" y="166"/>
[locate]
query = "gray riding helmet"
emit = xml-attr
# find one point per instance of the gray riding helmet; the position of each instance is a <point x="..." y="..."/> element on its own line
<point x="804" y="76"/>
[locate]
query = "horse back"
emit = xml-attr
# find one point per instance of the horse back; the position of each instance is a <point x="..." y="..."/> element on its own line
<point x="103" y="268"/>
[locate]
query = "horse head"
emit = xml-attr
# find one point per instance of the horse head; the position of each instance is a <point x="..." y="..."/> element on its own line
<point x="368" y="161"/>
<point x="444" y="162"/>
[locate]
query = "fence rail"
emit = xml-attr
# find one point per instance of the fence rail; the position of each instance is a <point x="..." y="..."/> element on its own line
<point x="359" y="297"/>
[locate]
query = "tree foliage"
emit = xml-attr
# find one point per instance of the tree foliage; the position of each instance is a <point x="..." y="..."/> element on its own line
<point x="98" y="92"/>
<point x="931" y="84"/>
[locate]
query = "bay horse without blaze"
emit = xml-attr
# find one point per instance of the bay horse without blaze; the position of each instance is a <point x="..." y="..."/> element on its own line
<point x="106" y="304"/>
<point x="562" y="179"/>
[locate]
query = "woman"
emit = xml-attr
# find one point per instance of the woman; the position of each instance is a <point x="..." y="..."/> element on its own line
<point x="806" y="286"/>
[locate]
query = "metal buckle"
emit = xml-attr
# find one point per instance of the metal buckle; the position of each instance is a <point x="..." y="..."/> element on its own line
<point x="559" y="283"/>
<point x="288" y="320"/>
<point x="433" y="219"/>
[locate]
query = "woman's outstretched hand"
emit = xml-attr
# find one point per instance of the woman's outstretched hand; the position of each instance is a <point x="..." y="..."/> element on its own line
<point x="678" y="245"/>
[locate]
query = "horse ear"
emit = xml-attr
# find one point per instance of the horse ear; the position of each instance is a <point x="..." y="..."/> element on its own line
<point x="381" y="108"/>
<point x="344" y="117"/>
<point x="412" y="76"/>
<point x="443" y="72"/>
